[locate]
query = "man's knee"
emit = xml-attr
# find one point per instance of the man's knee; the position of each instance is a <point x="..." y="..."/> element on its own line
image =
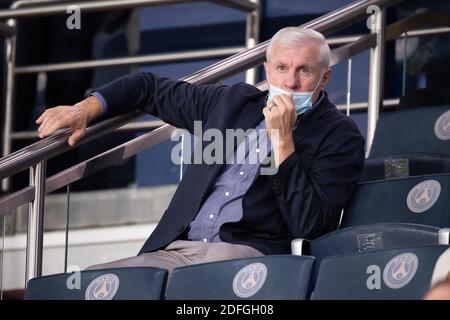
<point x="122" y="263"/>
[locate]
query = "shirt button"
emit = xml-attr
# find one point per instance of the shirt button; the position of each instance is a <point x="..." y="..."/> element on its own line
<point x="211" y="216"/>
<point x="227" y="193"/>
<point x="257" y="150"/>
<point x="241" y="173"/>
<point x="205" y="240"/>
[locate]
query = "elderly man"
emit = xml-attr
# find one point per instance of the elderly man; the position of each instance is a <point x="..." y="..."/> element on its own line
<point x="228" y="211"/>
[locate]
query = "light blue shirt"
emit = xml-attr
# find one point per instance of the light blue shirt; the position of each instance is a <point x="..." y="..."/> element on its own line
<point x="224" y="203"/>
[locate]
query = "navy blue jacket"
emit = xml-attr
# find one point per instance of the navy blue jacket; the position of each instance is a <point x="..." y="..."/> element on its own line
<point x="303" y="199"/>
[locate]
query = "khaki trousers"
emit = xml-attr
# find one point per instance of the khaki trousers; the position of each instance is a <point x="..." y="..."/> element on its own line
<point x="182" y="253"/>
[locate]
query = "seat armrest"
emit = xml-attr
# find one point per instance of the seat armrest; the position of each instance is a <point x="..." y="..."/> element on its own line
<point x="300" y="247"/>
<point x="444" y="236"/>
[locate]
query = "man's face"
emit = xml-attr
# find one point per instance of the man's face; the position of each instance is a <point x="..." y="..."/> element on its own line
<point x="297" y="68"/>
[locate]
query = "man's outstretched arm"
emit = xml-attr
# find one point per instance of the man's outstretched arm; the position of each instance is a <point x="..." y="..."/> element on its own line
<point x="175" y="102"/>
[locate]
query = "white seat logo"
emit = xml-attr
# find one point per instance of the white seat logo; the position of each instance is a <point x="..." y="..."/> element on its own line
<point x="442" y="126"/>
<point x="249" y="280"/>
<point x="103" y="287"/>
<point x="423" y="196"/>
<point x="400" y="270"/>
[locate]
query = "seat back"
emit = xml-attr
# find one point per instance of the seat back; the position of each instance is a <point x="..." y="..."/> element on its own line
<point x="404" y="165"/>
<point x="137" y="283"/>
<point x="425" y="130"/>
<point x="385" y="274"/>
<point x="268" y="277"/>
<point x="379" y="236"/>
<point x="420" y="200"/>
<point x="424" y="97"/>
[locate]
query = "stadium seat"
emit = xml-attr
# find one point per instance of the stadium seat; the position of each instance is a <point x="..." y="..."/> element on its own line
<point x="137" y="283"/>
<point x="379" y="236"/>
<point x="269" y="277"/>
<point x="420" y="200"/>
<point x="385" y="274"/>
<point x="418" y="130"/>
<point x="404" y="165"/>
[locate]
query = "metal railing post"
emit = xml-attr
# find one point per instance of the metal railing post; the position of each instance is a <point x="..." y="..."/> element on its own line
<point x="35" y="232"/>
<point x="376" y="76"/>
<point x="252" y="38"/>
<point x="2" y="251"/>
<point x="8" y="93"/>
<point x="349" y="85"/>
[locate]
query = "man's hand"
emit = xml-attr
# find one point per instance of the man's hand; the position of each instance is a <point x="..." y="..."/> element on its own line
<point x="74" y="117"/>
<point x="280" y="116"/>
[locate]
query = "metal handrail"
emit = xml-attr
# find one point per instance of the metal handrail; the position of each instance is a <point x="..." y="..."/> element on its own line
<point x="101" y="5"/>
<point x="150" y="125"/>
<point x="142" y="125"/>
<point x="48" y="7"/>
<point x="90" y="166"/>
<point x="188" y="55"/>
<point x="393" y="31"/>
<point x="144" y="59"/>
<point x="57" y="143"/>
<point x="339" y="54"/>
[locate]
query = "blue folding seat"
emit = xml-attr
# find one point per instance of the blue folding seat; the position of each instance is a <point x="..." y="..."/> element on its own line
<point x="267" y="277"/>
<point x="420" y="200"/>
<point x="364" y="238"/>
<point x="404" y="273"/>
<point x="418" y="130"/>
<point x="137" y="283"/>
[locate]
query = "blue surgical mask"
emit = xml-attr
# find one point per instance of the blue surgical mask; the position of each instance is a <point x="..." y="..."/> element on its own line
<point x="302" y="100"/>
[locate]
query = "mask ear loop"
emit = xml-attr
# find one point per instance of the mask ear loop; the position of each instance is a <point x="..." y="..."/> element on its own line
<point x="317" y="85"/>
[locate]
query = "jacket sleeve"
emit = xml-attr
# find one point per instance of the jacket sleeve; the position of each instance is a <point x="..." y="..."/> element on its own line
<point x="175" y="102"/>
<point x="311" y="200"/>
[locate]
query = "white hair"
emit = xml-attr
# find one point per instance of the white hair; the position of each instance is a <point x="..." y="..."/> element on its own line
<point x="293" y="36"/>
